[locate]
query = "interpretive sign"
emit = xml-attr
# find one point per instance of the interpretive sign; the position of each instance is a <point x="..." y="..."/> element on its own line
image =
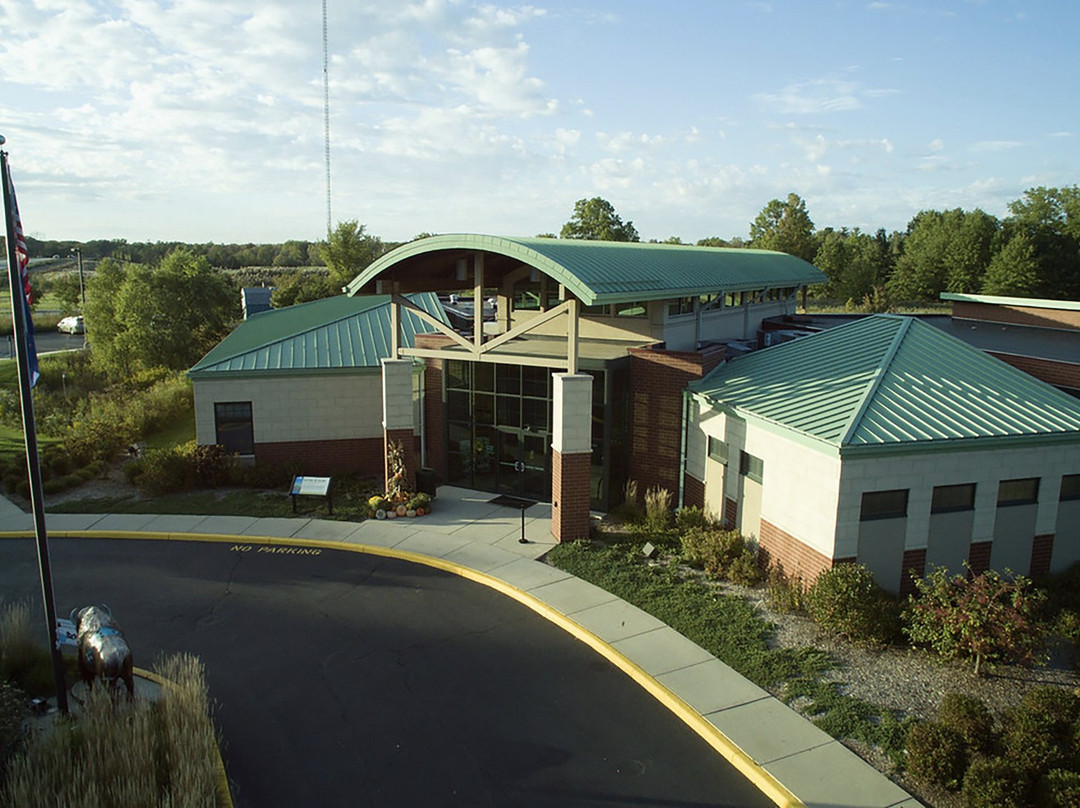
<point x="313" y="487"/>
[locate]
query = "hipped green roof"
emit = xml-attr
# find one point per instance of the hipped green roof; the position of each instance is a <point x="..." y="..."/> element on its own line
<point x="600" y="272"/>
<point x="337" y="333"/>
<point x="891" y="383"/>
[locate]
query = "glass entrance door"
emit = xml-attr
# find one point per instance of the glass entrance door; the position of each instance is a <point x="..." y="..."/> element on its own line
<point x="523" y="463"/>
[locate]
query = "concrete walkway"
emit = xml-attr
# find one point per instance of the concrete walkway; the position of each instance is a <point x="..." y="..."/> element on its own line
<point x="785" y="755"/>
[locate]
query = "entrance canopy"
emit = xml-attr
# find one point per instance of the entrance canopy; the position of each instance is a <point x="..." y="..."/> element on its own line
<point x="559" y="277"/>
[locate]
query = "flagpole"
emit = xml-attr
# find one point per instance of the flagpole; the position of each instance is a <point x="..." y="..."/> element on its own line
<point x="19" y="318"/>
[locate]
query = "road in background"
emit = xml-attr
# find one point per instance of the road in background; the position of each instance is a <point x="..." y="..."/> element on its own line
<point x="349" y="679"/>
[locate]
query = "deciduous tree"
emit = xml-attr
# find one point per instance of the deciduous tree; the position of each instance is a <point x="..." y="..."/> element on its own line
<point x="348" y="251"/>
<point x="596" y="220"/>
<point x="785" y="227"/>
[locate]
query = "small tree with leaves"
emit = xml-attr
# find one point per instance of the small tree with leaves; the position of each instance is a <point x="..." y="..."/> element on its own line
<point x="982" y="617"/>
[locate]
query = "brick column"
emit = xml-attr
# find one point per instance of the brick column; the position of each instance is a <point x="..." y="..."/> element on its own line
<point x="571" y="457"/>
<point x="398" y="416"/>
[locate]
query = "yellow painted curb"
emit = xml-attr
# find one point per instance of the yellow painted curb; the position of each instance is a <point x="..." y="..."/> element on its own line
<point x="224" y="797"/>
<point x="740" y="760"/>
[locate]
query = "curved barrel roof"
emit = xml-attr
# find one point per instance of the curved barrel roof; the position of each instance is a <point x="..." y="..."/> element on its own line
<point x="600" y="272"/>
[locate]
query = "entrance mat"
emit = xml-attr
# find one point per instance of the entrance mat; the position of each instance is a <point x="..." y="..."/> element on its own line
<point x="512" y="502"/>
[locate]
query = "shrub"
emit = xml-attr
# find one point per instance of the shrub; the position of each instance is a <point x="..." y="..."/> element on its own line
<point x="786" y="593"/>
<point x="970" y="717"/>
<point x="986" y="617"/>
<point x="712" y="549"/>
<point x="629" y="511"/>
<point x="1058" y="788"/>
<point x="993" y="782"/>
<point x="936" y="754"/>
<point x="690" y="518"/>
<point x="1035" y="741"/>
<point x="845" y="600"/>
<point x="658" y="509"/>
<point x="744" y="570"/>
<point x="182" y="468"/>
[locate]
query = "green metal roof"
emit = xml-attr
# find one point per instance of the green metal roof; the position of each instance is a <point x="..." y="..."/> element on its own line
<point x="599" y="272"/>
<point x="337" y="333"/>
<point x="1027" y="302"/>
<point x="890" y="382"/>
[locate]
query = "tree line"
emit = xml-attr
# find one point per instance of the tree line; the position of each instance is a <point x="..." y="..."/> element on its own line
<point x="1032" y="252"/>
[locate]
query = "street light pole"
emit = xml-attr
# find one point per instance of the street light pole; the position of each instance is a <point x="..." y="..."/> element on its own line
<point x="82" y="286"/>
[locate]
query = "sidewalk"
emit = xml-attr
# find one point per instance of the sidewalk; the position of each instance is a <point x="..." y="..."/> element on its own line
<point x="789" y="758"/>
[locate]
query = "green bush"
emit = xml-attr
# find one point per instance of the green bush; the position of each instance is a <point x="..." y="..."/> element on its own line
<point x="993" y="782"/>
<point x="786" y="593"/>
<point x="845" y="601"/>
<point x="984" y="617"/>
<point x="691" y="518"/>
<point x="970" y="717"/>
<point x="1035" y="741"/>
<point x="723" y="553"/>
<point x="182" y="468"/>
<point x="1058" y="788"/>
<point x="936" y="754"/>
<point x="744" y="570"/>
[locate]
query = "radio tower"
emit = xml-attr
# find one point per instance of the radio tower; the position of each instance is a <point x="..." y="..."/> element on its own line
<point x="326" y="115"/>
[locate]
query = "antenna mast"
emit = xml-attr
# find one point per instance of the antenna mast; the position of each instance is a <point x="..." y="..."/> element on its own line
<point x="326" y="115"/>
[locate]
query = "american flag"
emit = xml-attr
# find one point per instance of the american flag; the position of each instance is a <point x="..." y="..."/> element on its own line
<point x="22" y="259"/>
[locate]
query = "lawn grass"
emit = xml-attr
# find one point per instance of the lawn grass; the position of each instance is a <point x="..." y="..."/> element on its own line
<point x="727" y="627"/>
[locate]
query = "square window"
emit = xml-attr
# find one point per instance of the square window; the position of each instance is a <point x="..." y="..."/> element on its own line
<point x="1018" y="492"/>
<point x="752" y="467"/>
<point x="884" y="505"/>
<point x="234" y="427"/>
<point x="1070" y="487"/>
<point x="718" y="450"/>
<point x="948" y="498"/>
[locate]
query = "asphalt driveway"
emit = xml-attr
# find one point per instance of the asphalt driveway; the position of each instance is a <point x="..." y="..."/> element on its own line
<point x="355" y="680"/>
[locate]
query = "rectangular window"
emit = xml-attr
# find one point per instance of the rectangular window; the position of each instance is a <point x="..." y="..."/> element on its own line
<point x="948" y="498"/>
<point x="752" y="467"/>
<point x="1070" y="487"/>
<point x="884" y="505"/>
<point x="631" y="309"/>
<point x="1018" y="492"/>
<point x="234" y="427"/>
<point x="718" y="450"/>
<point x="684" y="305"/>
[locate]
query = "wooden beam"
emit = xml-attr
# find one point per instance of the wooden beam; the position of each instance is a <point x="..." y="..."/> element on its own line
<point x="526" y="327"/>
<point x="440" y="326"/>
<point x="478" y="299"/>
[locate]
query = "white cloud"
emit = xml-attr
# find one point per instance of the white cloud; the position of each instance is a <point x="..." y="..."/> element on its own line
<point x="995" y="145"/>
<point x="818" y="95"/>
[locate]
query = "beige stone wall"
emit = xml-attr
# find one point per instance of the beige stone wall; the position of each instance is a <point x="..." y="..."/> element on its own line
<point x="297" y="408"/>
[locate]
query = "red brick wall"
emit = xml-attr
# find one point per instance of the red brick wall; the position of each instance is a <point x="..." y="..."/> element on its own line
<point x="1059" y="374"/>
<point x="1041" y="551"/>
<point x="434" y="407"/>
<point x="1016" y="315"/>
<point x="693" y="492"/>
<point x="408" y="445"/>
<point x="657" y="381"/>
<point x="914" y="562"/>
<point x="324" y="458"/>
<point x="570" y="476"/>
<point x="776" y="547"/>
<point x="979" y="556"/>
<point x="731" y="512"/>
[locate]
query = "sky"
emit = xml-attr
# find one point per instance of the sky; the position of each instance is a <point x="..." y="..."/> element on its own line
<point x="203" y="120"/>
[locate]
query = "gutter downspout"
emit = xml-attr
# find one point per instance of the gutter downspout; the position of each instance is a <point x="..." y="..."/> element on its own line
<point x="685" y="422"/>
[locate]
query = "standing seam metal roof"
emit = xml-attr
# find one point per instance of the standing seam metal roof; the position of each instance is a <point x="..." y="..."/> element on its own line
<point x="337" y="333"/>
<point x="600" y="272"/>
<point x="889" y="381"/>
